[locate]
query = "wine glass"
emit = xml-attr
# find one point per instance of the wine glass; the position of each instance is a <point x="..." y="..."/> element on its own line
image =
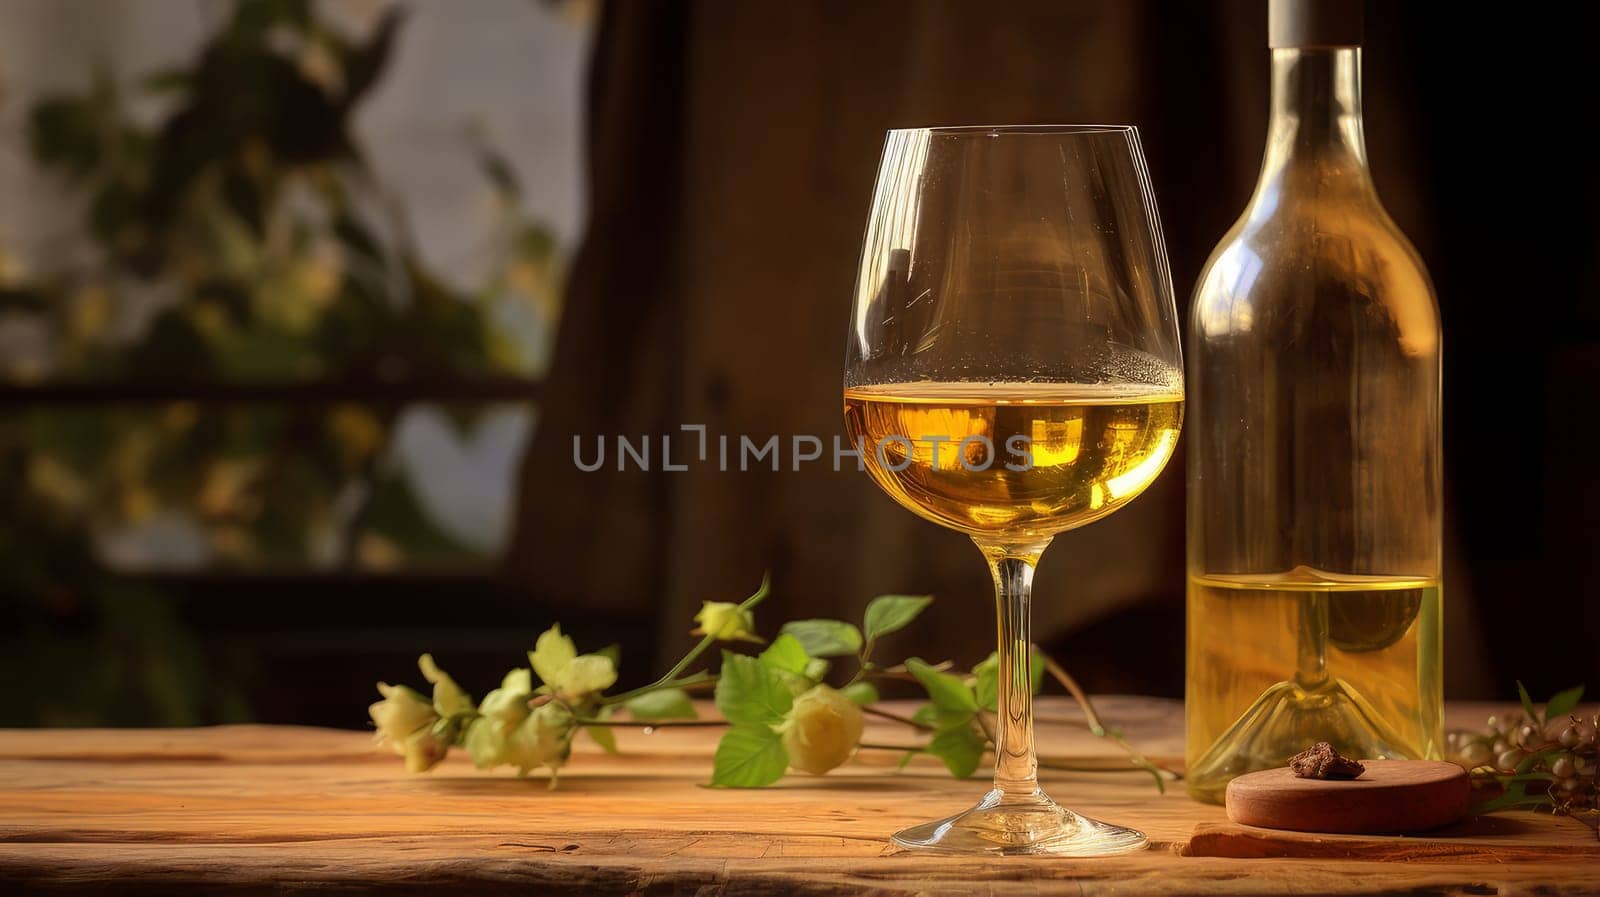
<point x="1013" y="371"/>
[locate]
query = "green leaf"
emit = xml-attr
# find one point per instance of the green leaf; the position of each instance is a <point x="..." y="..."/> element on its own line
<point x="1515" y="795"/>
<point x="986" y="684"/>
<point x="825" y="638"/>
<point x="935" y="718"/>
<point x="1527" y="702"/>
<point x="666" y="703"/>
<point x="786" y="654"/>
<point x="816" y="668"/>
<point x="749" y="691"/>
<point x="603" y="735"/>
<point x="613" y="653"/>
<point x="892" y="613"/>
<point x="860" y="692"/>
<point x="749" y="756"/>
<point x="987" y="674"/>
<point x="948" y="692"/>
<point x="1036" y="669"/>
<point x="960" y="748"/>
<point x="1563" y="702"/>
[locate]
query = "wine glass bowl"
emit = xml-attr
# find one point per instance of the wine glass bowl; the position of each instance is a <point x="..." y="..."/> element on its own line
<point x="1013" y="372"/>
<point x="1013" y="461"/>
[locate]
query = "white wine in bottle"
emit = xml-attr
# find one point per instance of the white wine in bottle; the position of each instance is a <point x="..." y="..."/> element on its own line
<point x="1314" y="457"/>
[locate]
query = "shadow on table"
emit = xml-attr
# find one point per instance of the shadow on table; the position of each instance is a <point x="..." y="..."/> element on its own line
<point x="609" y="783"/>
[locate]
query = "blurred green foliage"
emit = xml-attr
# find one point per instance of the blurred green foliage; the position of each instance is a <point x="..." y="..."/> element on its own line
<point x="82" y="648"/>
<point x="251" y="219"/>
<point x="240" y="239"/>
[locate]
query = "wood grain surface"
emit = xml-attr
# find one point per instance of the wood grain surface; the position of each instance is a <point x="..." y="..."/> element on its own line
<point x="275" y="810"/>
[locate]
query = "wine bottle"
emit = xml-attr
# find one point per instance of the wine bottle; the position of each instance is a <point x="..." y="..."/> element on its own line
<point x="1314" y="457"/>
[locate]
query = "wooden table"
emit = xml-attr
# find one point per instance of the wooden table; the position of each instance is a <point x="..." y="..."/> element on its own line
<point x="270" y="810"/>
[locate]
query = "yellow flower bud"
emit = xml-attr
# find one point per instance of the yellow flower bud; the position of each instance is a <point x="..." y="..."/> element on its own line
<point x="567" y="673"/>
<point x="585" y="675"/>
<point x="400" y="713"/>
<point x="543" y="739"/>
<point x="502" y="711"/>
<point x="423" y="750"/>
<point x="448" y="698"/>
<point x="507" y="706"/>
<point x="822" y="730"/>
<point x="551" y="654"/>
<point x="486" y="743"/>
<point x="726" y="622"/>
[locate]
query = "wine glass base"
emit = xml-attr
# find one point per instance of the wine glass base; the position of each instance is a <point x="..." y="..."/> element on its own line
<point x="1030" y="826"/>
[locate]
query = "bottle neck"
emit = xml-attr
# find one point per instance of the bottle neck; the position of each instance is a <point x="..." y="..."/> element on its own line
<point x="1314" y="136"/>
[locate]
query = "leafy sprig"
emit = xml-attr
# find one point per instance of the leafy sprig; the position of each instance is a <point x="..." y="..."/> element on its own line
<point x="779" y="710"/>
<point x="1536" y="759"/>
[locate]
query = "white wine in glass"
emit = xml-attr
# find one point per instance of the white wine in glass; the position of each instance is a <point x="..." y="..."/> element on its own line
<point x="1013" y="372"/>
<point x="1014" y="459"/>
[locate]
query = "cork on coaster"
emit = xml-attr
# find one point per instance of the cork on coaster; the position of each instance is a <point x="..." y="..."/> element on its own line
<point x="1388" y="796"/>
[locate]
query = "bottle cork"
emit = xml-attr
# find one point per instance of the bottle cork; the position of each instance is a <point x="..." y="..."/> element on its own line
<point x="1313" y="23"/>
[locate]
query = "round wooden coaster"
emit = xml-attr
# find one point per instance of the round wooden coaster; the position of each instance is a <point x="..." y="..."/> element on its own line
<point x="1391" y="796"/>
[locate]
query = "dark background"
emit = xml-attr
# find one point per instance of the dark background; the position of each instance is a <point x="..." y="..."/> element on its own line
<point x="731" y="150"/>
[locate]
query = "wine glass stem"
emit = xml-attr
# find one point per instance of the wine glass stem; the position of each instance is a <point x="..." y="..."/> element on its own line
<point x="1015" y="767"/>
<point x="1312" y="668"/>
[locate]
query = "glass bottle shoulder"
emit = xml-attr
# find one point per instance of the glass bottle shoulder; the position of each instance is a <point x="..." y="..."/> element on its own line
<point x="1292" y="260"/>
